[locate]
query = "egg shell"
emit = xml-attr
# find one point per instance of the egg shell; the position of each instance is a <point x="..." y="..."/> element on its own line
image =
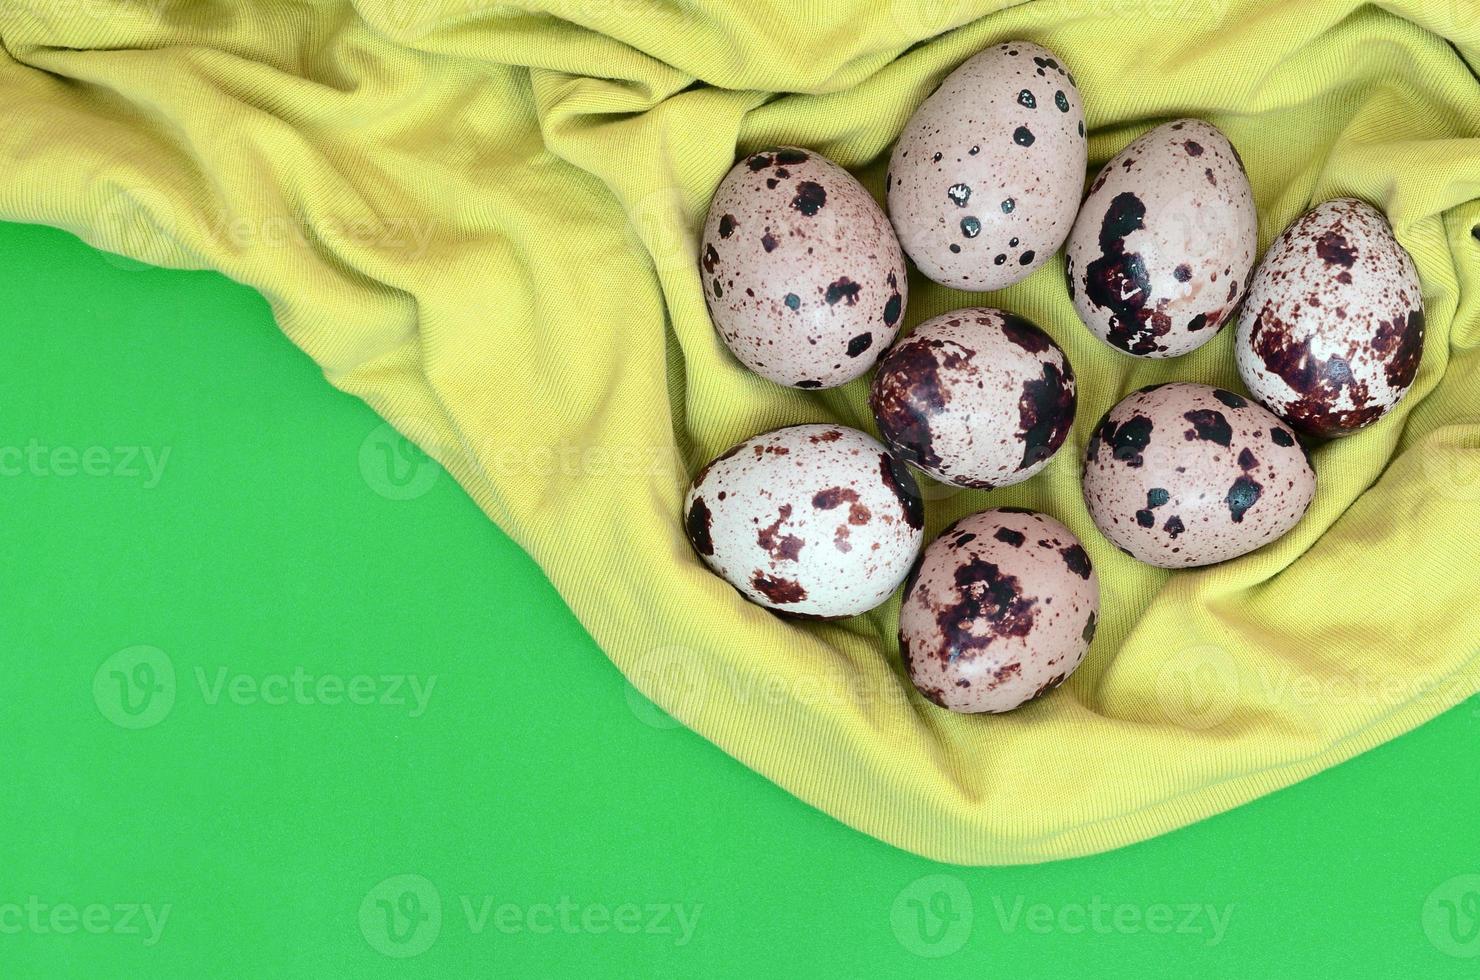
<point x="804" y="278"/>
<point x="811" y="520"/>
<point x="1163" y="248"/>
<point x="985" y="178"/>
<point x="977" y="398"/>
<point x="1185" y="474"/>
<point x="1332" y="331"/>
<point x="1002" y="608"/>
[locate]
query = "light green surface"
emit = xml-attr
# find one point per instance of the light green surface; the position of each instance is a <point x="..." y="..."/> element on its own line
<point x="482" y="221"/>
<point x="535" y="773"/>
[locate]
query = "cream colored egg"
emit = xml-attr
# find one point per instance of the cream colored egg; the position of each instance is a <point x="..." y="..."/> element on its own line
<point x="1333" y="330"/>
<point x="986" y="176"/>
<point x="1164" y="245"/>
<point x="977" y="397"/>
<point x="1185" y="474"/>
<point x="804" y="278"/>
<point x="1002" y="609"/>
<point x="810" y="520"/>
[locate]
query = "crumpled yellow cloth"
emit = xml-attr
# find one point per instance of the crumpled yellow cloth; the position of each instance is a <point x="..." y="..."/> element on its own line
<point x="481" y="219"/>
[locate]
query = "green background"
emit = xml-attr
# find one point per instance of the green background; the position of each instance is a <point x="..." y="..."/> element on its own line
<point x="288" y="532"/>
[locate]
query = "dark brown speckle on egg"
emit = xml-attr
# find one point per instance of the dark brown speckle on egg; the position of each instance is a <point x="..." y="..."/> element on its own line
<point x="976" y="397"/>
<point x="1135" y="280"/>
<point x="985" y="132"/>
<point x="1194" y="476"/>
<point x="1333" y="326"/>
<point x="987" y="624"/>
<point x="800" y="265"/>
<point x="798" y="521"/>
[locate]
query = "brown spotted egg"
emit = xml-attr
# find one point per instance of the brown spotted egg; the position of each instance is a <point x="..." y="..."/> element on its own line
<point x="804" y="278"/>
<point x="1185" y="474"/>
<point x="1002" y="608"/>
<point x="1164" y="245"/>
<point x="812" y="520"/>
<point x="1332" y="331"/>
<point x="977" y="398"/>
<point x="985" y="179"/>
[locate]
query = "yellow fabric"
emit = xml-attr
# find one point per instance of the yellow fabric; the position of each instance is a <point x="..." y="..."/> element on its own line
<point x="481" y="219"/>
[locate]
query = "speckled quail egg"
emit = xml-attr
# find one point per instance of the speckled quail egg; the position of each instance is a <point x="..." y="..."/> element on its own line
<point x="1164" y="245"/>
<point x="985" y="179"/>
<point x="1185" y="474"/>
<point x="1332" y="331"/>
<point x="803" y="275"/>
<point x="1002" y="608"/>
<point x="977" y="398"/>
<point x="811" y="520"/>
